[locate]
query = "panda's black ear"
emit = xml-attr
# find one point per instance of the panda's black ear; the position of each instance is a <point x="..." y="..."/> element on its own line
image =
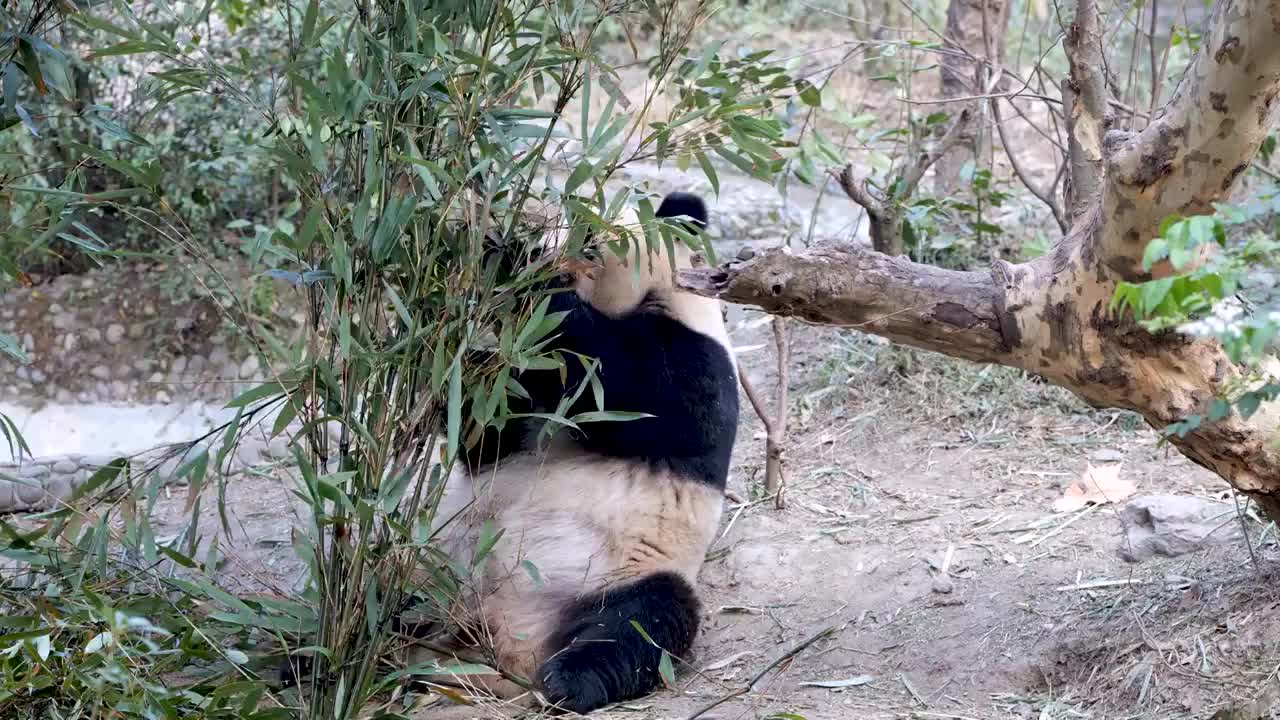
<point x="687" y="204"/>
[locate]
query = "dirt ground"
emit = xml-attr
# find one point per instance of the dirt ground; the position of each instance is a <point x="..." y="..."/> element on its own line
<point x="897" y="459"/>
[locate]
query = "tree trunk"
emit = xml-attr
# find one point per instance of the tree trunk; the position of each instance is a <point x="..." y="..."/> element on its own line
<point x="975" y="29"/>
<point x="1051" y="316"/>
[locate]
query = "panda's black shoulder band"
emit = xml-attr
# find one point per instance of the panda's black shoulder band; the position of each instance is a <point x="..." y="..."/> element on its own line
<point x="687" y="204"/>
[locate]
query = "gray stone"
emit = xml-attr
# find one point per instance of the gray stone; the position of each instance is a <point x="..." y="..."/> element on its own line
<point x="78" y="478"/>
<point x="142" y="365"/>
<point x="55" y="308"/>
<point x="136" y="330"/>
<point x="8" y="497"/>
<point x="63" y="395"/>
<point x="278" y="447"/>
<point x="93" y="463"/>
<point x="169" y="466"/>
<point x="1106" y="455"/>
<point x="7" y="314"/>
<point x="93" y="334"/>
<point x="29" y="491"/>
<point x="249" y="367"/>
<point x="1173" y="525"/>
<point x="163" y="397"/>
<point x="59" y="489"/>
<point x="156" y="378"/>
<point x="219" y="357"/>
<point x="249" y="452"/>
<point x="149" y="309"/>
<point x="62" y="320"/>
<point x="69" y="342"/>
<point x="115" y="333"/>
<point x="87" y="283"/>
<point x="33" y="471"/>
<point x="37" y="375"/>
<point x="195" y="365"/>
<point x="28" y="342"/>
<point x="22" y="373"/>
<point x="66" y="466"/>
<point x="179" y="365"/>
<point x="120" y="389"/>
<point x="102" y="372"/>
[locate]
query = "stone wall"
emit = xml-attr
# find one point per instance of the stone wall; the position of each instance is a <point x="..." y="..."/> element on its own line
<point x="124" y="334"/>
<point x="44" y="483"/>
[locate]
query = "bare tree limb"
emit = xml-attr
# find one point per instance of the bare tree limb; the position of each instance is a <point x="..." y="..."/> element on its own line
<point x="775" y="464"/>
<point x="949" y="311"/>
<point x="1044" y="195"/>
<point x="886" y="213"/>
<point x="1085" y="98"/>
<point x="1191" y="155"/>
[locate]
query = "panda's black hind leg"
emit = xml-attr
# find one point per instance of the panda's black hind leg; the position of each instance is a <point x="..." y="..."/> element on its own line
<point x="601" y="658"/>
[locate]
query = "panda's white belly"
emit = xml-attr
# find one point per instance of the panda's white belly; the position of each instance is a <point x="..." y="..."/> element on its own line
<point x="577" y="523"/>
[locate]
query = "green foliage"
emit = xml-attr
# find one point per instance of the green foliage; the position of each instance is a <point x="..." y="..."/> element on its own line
<point x="1207" y="299"/>
<point x="410" y="147"/>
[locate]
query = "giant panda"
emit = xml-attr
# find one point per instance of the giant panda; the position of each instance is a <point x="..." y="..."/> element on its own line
<point x="605" y="529"/>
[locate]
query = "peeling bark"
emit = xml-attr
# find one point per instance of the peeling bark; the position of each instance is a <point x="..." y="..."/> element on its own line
<point x="1052" y="316"/>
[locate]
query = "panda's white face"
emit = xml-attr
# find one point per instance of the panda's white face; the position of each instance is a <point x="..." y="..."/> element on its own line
<point x="612" y="285"/>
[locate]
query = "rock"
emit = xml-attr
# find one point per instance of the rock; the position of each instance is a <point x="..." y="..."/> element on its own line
<point x="69" y="342"/>
<point x="278" y="447"/>
<point x="219" y="357"/>
<point x="156" y="378"/>
<point x="1173" y="525"/>
<point x="28" y="343"/>
<point x="65" y="466"/>
<point x="102" y="372"/>
<point x="8" y="498"/>
<point x="249" y="367"/>
<point x="1106" y="455"/>
<point x="746" y="253"/>
<point x="58" y="488"/>
<point x="943" y="584"/>
<point x="149" y="309"/>
<point x="28" y="490"/>
<point x="22" y="373"/>
<point x="136" y="330"/>
<point x="163" y="397"/>
<point x="63" y="395"/>
<point x="179" y="365"/>
<point x="37" y="375"/>
<point x="62" y="320"/>
<point x="93" y="334"/>
<point x="142" y="365"/>
<point x="115" y="333"/>
<point x="33" y="471"/>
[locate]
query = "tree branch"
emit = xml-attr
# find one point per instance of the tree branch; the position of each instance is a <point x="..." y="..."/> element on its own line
<point x="948" y="311"/>
<point x="1191" y="155"/>
<point x="886" y="214"/>
<point x="1044" y="195"/>
<point x="1084" y="96"/>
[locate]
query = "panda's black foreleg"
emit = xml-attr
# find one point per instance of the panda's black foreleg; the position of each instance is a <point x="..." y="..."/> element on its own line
<point x="600" y="657"/>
